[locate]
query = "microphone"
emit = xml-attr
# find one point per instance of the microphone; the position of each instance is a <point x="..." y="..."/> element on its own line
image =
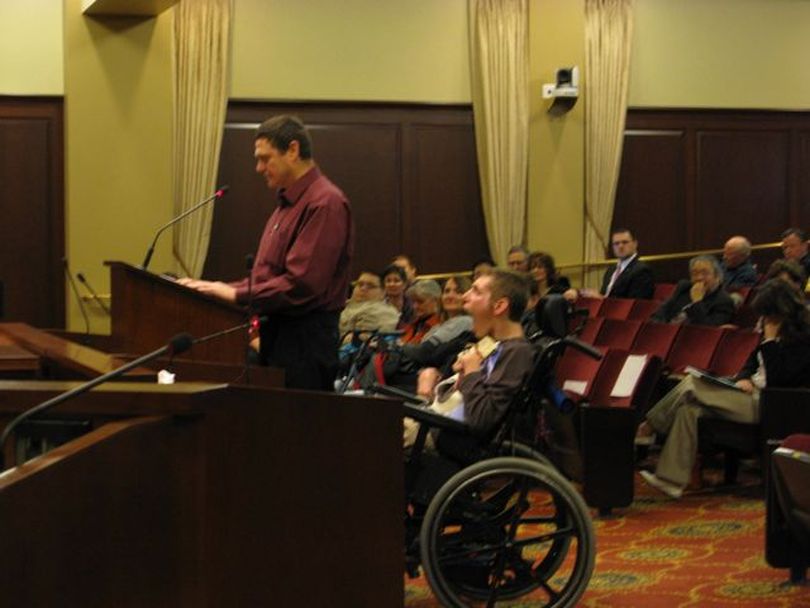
<point x="93" y="293"/>
<point x="78" y="297"/>
<point x="178" y="344"/>
<point x="216" y="195"/>
<point x="217" y="334"/>
<point x="249" y="260"/>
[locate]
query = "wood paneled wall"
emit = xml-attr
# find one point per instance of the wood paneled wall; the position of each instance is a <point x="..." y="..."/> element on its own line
<point x="409" y="171"/>
<point x="692" y="178"/>
<point x="32" y="241"/>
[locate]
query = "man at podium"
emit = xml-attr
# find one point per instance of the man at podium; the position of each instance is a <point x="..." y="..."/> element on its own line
<point x="301" y="274"/>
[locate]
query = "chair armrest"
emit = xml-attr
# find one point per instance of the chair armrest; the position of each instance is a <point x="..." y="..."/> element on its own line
<point x="433" y="419"/>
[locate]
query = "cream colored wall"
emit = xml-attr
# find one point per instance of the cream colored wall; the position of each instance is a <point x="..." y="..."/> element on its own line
<point x="31" y="47"/>
<point x="366" y="50"/>
<point x="721" y="54"/>
<point x="118" y="126"/>
<point x="556" y="144"/>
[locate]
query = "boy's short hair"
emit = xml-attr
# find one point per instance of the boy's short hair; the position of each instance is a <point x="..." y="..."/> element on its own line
<point x="513" y="286"/>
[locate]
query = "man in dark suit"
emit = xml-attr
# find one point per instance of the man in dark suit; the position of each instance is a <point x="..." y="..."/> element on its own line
<point x="796" y="247"/>
<point x="630" y="278"/>
<point x="701" y="300"/>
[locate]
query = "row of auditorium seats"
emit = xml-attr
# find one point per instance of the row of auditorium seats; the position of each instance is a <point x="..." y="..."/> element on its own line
<point x="720" y="351"/>
<point x="643" y="310"/>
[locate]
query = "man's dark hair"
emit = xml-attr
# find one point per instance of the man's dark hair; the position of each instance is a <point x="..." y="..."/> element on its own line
<point x="513" y="286"/>
<point x="622" y="231"/>
<point x="282" y="130"/>
<point x="798" y="232"/>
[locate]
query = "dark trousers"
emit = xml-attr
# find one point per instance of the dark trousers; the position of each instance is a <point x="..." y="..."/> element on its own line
<point x="304" y="347"/>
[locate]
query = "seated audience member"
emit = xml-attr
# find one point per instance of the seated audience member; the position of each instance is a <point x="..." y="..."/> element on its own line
<point x="366" y="310"/>
<point x="487" y="384"/>
<point x="544" y="273"/>
<point x="795" y="247"/>
<point x="701" y="300"/>
<point x="394" y="284"/>
<point x="781" y="360"/>
<point x="630" y="278"/>
<point x="738" y="271"/>
<point x="518" y="258"/>
<point x="440" y="345"/>
<point x="424" y="296"/>
<point x="789" y="271"/>
<point x="481" y="266"/>
<point x="405" y="262"/>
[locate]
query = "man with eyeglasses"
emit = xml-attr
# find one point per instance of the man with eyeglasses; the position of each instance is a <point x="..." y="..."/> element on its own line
<point x="630" y="278"/>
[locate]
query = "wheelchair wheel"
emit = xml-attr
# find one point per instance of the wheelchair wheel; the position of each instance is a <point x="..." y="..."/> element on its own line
<point x="506" y="528"/>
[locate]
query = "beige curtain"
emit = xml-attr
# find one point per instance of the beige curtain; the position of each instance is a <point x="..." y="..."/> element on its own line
<point x="608" y="33"/>
<point x="201" y="62"/>
<point x="500" y="91"/>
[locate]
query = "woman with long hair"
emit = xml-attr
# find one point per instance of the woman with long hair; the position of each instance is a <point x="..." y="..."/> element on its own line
<point x="781" y="360"/>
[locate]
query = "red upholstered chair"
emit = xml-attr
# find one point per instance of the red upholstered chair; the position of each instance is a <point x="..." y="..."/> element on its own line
<point x="695" y="345"/>
<point x="616" y="308"/>
<point x="732" y="351"/>
<point x="576" y="367"/>
<point x="664" y="290"/>
<point x="655" y="338"/>
<point x="602" y="391"/>
<point x="643" y="309"/>
<point x="590" y="329"/>
<point x="616" y="333"/>
<point x="593" y="305"/>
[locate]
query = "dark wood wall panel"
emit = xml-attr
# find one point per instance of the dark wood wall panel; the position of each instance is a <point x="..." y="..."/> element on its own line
<point x="32" y="210"/>
<point x="445" y="220"/>
<point x="409" y="171"/>
<point x="727" y="172"/>
<point x="742" y="186"/>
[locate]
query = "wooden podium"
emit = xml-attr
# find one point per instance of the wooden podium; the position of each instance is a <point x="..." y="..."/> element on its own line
<point x="205" y="495"/>
<point x="147" y="310"/>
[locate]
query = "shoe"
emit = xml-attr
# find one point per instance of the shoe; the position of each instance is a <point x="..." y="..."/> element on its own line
<point x="670" y="489"/>
<point x="644" y="440"/>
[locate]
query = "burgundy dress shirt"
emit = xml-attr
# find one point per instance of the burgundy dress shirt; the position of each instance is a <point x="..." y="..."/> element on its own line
<point x="302" y="264"/>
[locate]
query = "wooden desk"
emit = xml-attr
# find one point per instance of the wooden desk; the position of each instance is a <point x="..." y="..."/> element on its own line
<point x="206" y="495"/>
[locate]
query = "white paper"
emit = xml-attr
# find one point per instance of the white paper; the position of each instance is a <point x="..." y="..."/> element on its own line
<point x="628" y="377"/>
<point x="578" y="387"/>
<point x="165" y="377"/>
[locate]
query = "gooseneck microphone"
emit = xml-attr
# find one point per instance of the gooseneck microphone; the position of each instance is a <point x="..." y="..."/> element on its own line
<point x="83" y="280"/>
<point x="216" y="195"/>
<point x="178" y="344"/>
<point x="78" y="297"/>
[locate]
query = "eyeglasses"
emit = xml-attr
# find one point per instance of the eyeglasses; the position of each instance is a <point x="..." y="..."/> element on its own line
<point x="616" y="243"/>
<point x="367" y="285"/>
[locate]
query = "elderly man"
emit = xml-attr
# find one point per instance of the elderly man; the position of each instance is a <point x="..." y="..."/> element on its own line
<point x="795" y="247"/>
<point x="701" y="300"/>
<point x="738" y="271"/>
<point x="518" y="258"/>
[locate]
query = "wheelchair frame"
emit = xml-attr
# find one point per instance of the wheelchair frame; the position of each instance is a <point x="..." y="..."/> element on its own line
<point x="495" y="520"/>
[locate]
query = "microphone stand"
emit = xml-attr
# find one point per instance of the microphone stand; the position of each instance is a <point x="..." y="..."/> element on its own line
<point x="249" y="260"/>
<point x="78" y="298"/>
<point x="218" y="194"/>
<point x="83" y="280"/>
<point x="180" y="343"/>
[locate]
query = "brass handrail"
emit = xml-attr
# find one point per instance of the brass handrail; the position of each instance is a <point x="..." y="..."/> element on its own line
<point x="659" y="257"/>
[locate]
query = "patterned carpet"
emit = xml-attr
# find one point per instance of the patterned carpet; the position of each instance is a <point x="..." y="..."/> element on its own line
<point x="704" y="551"/>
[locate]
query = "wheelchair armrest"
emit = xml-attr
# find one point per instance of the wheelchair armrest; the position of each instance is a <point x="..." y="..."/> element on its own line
<point x="433" y="419"/>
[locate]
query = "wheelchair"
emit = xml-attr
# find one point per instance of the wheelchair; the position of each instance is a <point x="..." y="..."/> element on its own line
<point x="490" y="519"/>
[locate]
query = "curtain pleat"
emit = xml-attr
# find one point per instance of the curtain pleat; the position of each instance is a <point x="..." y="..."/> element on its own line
<point x="201" y="64"/>
<point x="608" y="37"/>
<point x="500" y="93"/>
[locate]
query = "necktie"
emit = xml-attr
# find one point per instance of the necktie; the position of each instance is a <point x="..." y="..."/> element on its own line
<point x="615" y="276"/>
